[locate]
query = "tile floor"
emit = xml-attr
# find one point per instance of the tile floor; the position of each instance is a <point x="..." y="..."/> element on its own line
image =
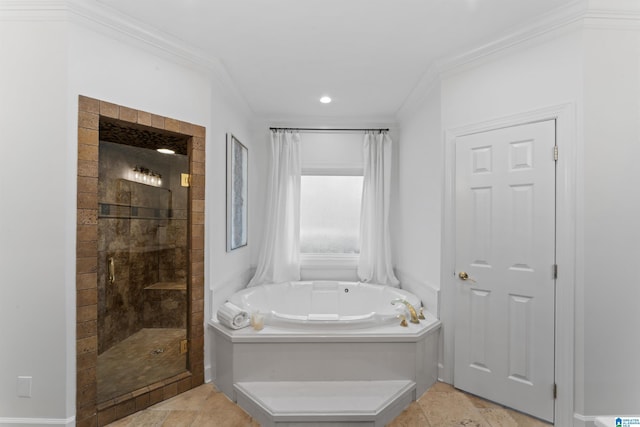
<point x="149" y="355"/>
<point x="440" y="406"/>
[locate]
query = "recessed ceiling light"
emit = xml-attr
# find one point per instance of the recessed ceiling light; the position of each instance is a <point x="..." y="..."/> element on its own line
<point x="165" y="151"/>
<point x="325" y="99"/>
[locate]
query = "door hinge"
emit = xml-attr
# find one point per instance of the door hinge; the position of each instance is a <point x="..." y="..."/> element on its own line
<point x="555" y="271"/>
<point x="555" y="391"/>
<point x="185" y="180"/>
<point x="555" y="153"/>
<point x="184" y="346"/>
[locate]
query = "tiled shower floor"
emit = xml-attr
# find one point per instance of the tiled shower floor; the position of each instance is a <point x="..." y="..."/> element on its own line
<point x="148" y="356"/>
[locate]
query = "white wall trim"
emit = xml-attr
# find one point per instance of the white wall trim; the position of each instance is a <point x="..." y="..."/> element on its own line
<point x="611" y="14"/>
<point x="209" y="368"/>
<point x="546" y="26"/>
<point x="418" y="96"/>
<point x="550" y="22"/>
<point x="614" y="9"/>
<point x="38" y="421"/>
<point x="620" y="14"/>
<point x="35" y="10"/>
<point x="108" y="19"/>
<point x="114" y="24"/>
<point x="566" y="187"/>
<point x="580" y="420"/>
<point x="612" y="20"/>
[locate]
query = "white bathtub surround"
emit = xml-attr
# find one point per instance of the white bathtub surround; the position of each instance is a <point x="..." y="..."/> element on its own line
<point x="279" y="258"/>
<point x="388" y="352"/>
<point x="374" y="264"/>
<point x="425" y="291"/>
<point x="224" y="288"/>
<point x="330" y="353"/>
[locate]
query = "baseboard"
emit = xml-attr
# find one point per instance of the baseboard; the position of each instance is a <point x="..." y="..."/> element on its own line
<point x="441" y="372"/>
<point x="580" y="420"/>
<point x="37" y="422"/>
<point x="208" y="373"/>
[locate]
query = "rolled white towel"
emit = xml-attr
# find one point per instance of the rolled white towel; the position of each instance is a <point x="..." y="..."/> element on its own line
<point x="233" y="316"/>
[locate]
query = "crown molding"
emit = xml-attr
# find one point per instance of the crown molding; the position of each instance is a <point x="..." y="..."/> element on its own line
<point x="429" y="81"/>
<point x="114" y="24"/>
<point x="117" y="24"/>
<point x="33" y="10"/>
<point x="549" y="24"/>
<point x="613" y="14"/>
<point x="32" y="5"/>
<point x="546" y="25"/>
<point x="601" y="14"/>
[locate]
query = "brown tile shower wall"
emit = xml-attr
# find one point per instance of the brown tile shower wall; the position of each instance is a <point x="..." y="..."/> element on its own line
<point x="88" y="412"/>
<point x="165" y="308"/>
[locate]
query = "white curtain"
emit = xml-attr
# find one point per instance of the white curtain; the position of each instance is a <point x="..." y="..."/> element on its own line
<point x="374" y="264"/>
<point x="279" y="259"/>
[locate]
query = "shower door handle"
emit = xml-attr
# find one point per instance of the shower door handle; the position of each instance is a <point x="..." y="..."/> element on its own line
<point x="112" y="271"/>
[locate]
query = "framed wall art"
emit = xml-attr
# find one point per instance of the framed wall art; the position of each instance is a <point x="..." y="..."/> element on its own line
<point x="237" y="193"/>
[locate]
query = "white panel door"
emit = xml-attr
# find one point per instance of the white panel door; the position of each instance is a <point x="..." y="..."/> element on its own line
<point x="505" y="253"/>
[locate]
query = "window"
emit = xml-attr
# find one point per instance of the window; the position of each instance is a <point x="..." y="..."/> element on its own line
<point x="330" y="199"/>
<point x="330" y="214"/>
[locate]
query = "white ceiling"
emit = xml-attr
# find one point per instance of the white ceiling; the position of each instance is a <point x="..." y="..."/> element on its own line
<point x="368" y="55"/>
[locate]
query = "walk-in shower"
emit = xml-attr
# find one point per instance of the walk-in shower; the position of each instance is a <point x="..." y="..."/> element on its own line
<point x="142" y="258"/>
<point x="133" y="289"/>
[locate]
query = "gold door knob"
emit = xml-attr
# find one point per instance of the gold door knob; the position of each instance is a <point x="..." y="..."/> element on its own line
<point x="464" y="276"/>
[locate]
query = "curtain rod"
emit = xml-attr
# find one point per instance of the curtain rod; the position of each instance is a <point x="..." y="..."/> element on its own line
<point x="332" y="130"/>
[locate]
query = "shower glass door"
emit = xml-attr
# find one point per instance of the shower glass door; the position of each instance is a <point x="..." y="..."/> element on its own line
<point x="142" y="263"/>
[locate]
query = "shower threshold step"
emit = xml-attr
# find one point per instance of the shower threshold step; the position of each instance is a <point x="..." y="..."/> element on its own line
<point x="319" y="403"/>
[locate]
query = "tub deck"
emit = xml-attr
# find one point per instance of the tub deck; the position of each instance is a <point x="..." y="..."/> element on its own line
<point x="387" y="332"/>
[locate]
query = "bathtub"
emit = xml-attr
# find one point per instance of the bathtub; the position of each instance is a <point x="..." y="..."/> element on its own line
<point x="325" y="304"/>
<point x="325" y="331"/>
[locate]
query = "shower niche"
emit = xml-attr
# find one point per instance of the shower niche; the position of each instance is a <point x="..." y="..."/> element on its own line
<point x="139" y="262"/>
